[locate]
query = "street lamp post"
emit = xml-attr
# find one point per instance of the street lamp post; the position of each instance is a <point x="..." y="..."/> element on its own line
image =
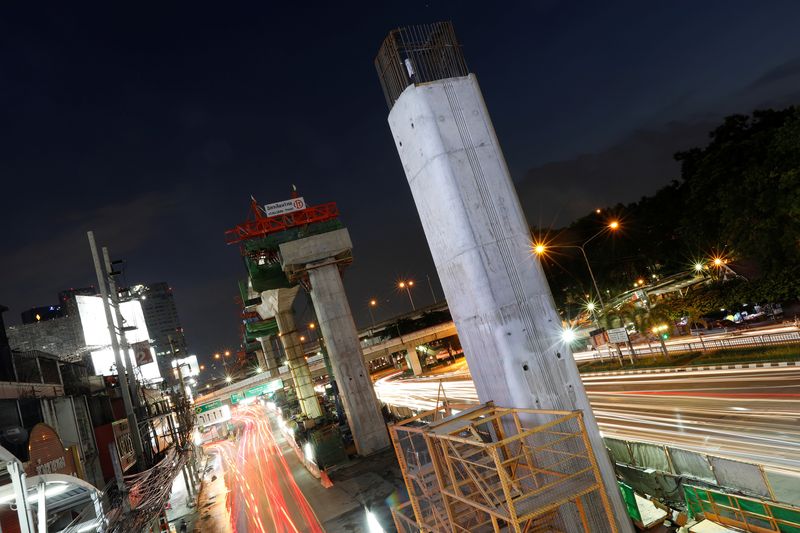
<point x="372" y="303"/>
<point x="407" y="286"/>
<point x="540" y="249"/>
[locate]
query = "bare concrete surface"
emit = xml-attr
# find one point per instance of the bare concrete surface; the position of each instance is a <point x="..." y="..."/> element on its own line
<point x="373" y="482"/>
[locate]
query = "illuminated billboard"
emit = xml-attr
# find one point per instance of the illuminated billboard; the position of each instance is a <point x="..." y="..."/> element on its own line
<point x="95" y="333"/>
<point x="189" y="366"/>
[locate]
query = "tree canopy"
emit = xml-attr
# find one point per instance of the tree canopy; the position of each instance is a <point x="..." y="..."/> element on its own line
<point x="737" y="197"/>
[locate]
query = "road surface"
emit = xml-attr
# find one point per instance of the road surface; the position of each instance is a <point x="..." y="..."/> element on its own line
<point x="746" y="414"/>
<point x="264" y="496"/>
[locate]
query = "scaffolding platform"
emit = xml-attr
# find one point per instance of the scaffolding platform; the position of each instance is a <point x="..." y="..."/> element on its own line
<point x="487" y="468"/>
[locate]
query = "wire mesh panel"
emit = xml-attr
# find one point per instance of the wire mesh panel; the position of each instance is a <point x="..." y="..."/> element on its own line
<point x="518" y="475"/>
<point x="418" y="54"/>
<point x="418" y="470"/>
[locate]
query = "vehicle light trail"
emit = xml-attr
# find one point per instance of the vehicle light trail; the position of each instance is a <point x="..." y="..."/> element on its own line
<point x="747" y="414"/>
<point x="264" y="496"/>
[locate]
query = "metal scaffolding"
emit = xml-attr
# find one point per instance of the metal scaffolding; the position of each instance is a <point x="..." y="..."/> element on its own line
<point x="487" y="468"/>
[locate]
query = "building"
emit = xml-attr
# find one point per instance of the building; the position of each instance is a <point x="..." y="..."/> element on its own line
<point x="41" y="314"/>
<point x="163" y="323"/>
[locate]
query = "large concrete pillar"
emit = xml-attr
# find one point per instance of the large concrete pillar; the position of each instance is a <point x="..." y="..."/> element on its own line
<point x="318" y="258"/>
<point x="278" y="303"/>
<point x="481" y="242"/>
<point x="412" y="356"/>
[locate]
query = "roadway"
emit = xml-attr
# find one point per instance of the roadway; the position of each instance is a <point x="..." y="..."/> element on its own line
<point x="747" y="414"/>
<point x="263" y="494"/>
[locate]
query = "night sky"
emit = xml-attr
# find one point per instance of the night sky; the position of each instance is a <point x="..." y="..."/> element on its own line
<point x="154" y="123"/>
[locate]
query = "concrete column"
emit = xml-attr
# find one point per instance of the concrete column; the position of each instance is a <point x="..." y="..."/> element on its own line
<point x="319" y="257"/>
<point x="270" y="355"/>
<point x="481" y="245"/>
<point x="412" y="356"/>
<point x="298" y="366"/>
<point x="278" y="303"/>
<point x="262" y="362"/>
<point x="341" y="339"/>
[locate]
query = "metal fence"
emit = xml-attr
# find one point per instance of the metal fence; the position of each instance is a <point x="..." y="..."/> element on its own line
<point x="707" y="344"/>
<point x="676" y="465"/>
<point x="418" y="54"/>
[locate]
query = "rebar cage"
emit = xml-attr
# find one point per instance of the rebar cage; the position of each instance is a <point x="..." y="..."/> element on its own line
<point x="418" y="54"/>
<point x="493" y="469"/>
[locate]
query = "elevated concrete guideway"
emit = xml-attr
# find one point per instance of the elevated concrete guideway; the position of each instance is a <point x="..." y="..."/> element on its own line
<point x="317" y="367"/>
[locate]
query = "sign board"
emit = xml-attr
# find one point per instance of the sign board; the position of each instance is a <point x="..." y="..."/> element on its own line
<point x="258" y="390"/>
<point x="618" y="335"/>
<point x="265" y="388"/>
<point x="214" y="416"/>
<point x="47" y="453"/>
<point x="142" y="353"/>
<point x="122" y="438"/>
<point x="207" y="407"/>
<point x="286" y="206"/>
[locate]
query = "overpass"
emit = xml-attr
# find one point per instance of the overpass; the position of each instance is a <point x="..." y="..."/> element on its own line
<point x="372" y="350"/>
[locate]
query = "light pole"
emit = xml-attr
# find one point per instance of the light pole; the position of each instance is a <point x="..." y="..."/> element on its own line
<point x="541" y="248"/>
<point x="430" y="286"/>
<point x="407" y="286"/>
<point x="372" y="303"/>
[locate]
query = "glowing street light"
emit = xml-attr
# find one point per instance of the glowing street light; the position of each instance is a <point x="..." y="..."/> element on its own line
<point x="718" y="261"/>
<point x="302" y="338"/>
<point x="312" y="325"/>
<point x="698" y="267"/>
<point x="216" y="356"/>
<point x="227" y="353"/>
<point x="372" y="303"/>
<point x="228" y="379"/>
<point x="590" y="307"/>
<point x="407" y="286"/>
<point x="259" y="370"/>
<point x="568" y="335"/>
<point x="540" y="248"/>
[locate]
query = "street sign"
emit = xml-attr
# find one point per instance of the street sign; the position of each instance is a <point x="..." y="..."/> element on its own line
<point x="207" y="407"/>
<point x="214" y="416"/>
<point x="258" y="390"/>
<point x="286" y="206"/>
<point x="270" y="386"/>
<point x="618" y="335"/>
<point x="142" y="353"/>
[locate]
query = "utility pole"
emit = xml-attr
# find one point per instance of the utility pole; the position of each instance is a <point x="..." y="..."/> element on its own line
<point x="123" y="340"/>
<point x="430" y="286"/>
<point x="133" y="424"/>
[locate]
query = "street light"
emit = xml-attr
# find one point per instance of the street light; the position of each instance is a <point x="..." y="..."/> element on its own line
<point x="228" y="379"/>
<point x="312" y="325"/>
<point x="541" y="248"/>
<point x="216" y="356"/>
<point x="372" y="303"/>
<point x="407" y="286"/>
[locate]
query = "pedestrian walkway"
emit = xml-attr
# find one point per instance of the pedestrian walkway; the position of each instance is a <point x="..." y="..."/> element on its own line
<point x="180" y="506"/>
<point x="212" y="507"/>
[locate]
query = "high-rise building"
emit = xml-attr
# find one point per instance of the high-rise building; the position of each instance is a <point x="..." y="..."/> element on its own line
<point x="163" y="323"/>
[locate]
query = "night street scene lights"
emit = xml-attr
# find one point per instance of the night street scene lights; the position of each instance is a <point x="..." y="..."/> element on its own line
<point x="541" y="248"/>
<point x="406" y="285"/>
